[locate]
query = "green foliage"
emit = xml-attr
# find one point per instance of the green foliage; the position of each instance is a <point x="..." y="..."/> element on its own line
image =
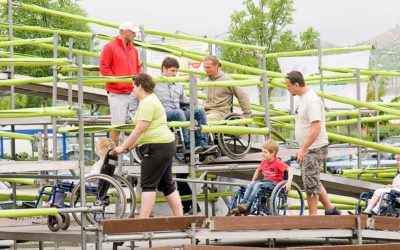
<point x="24" y="17"/>
<point x="7" y="156"/>
<point x="265" y="24"/>
<point x="22" y="156"/>
<point x="382" y="81"/>
<point x="21" y="101"/>
<point x="386" y="131"/>
<point x="396" y="99"/>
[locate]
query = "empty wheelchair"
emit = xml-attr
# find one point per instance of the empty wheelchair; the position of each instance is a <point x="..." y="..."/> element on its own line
<point x="272" y="201"/>
<point x="389" y="203"/>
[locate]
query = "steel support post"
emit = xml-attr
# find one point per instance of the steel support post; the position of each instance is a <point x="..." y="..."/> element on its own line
<point x="193" y="105"/>
<point x="357" y="76"/>
<point x="81" y="148"/>
<point x="54" y="95"/>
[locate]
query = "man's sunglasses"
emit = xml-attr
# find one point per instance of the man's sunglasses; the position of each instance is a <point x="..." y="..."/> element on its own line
<point x="292" y="81"/>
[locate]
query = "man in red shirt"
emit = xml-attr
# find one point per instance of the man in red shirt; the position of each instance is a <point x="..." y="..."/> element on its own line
<point x="120" y="58"/>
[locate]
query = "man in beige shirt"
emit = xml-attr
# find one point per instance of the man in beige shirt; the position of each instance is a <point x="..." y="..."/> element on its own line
<point x="219" y="103"/>
<point x="219" y="100"/>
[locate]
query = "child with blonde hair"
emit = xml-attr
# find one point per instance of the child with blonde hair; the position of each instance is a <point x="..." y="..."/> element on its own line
<point x="102" y="146"/>
<point x="273" y="170"/>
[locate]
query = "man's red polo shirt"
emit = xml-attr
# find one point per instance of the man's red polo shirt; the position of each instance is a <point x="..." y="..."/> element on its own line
<point x="116" y="60"/>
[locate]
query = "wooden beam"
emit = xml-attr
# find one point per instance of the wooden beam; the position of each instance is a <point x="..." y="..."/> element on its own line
<point x="151" y="224"/>
<point x="386" y="246"/>
<point x="385" y="223"/>
<point x="208" y="247"/>
<point x="234" y="223"/>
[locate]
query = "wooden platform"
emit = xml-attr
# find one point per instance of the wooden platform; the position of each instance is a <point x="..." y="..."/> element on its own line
<point x="134" y="225"/>
<point x="24" y="230"/>
<point x="386" y="246"/>
<point x="8" y="166"/>
<point x="249" y="227"/>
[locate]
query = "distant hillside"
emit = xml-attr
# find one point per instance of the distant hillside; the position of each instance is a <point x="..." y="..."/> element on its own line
<point x="387" y="49"/>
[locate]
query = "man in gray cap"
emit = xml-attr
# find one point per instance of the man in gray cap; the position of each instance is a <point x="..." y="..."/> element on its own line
<point x="120" y="58"/>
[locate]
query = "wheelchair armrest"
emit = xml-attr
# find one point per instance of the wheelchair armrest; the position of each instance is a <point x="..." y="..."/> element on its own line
<point x="395" y="192"/>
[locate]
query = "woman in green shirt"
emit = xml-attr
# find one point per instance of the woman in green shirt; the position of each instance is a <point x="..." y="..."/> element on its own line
<point x="157" y="146"/>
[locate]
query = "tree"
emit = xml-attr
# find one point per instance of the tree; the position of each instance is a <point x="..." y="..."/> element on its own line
<point x="24" y="17"/>
<point x="382" y="82"/>
<point x="265" y="24"/>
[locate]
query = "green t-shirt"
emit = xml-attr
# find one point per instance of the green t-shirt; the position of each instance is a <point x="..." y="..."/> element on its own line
<point x="150" y="109"/>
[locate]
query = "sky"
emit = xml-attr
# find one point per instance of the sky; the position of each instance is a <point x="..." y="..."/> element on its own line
<point x="341" y="22"/>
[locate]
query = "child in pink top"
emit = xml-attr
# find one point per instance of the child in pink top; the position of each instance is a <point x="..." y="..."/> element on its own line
<point x="273" y="170"/>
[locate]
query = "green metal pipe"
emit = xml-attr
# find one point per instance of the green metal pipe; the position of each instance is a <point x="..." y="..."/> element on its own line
<point x="26" y="42"/>
<point x="30" y="212"/>
<point x="17" y="136"/>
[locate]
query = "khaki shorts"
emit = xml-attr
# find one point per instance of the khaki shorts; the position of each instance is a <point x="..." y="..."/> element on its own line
<point x="119" y="106"/>
<point x="310" y="166"/>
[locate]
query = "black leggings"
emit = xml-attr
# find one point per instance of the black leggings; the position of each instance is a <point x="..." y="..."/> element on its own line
<point x="156" y="167"/>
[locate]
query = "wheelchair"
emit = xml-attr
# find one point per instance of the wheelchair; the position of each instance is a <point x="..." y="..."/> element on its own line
<point x="112" y="192"/>
<point x="60" y="221"/>
<point x="389" y="203"/>
<point x="271" y="201"/>
<point x="233" y="146"/>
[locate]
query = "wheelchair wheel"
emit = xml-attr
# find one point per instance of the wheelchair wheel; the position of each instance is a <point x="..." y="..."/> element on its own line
<point x="234" y="146"/>
<point x="365" y="196"/>
<point x="54" y="222"/>
<point x="236" y="199"/>
<point x="130" y="194"/>
<point x="66" y="221"/>
<point x="136" y="155"/>
<point x="280" y="203"/>
<point x="101" y="190"/>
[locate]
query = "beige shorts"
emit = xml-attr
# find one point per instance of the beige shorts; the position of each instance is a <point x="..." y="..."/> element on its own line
<point x="119" y="106"/>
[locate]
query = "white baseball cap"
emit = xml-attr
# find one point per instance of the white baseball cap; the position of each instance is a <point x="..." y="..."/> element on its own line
<point x="129" y="26"/>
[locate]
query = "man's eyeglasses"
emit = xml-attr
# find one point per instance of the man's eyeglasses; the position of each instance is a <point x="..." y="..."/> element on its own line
<point x="292" y="81"/>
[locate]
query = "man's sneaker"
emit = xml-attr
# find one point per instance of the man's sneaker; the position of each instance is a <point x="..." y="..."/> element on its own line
<point x="243" y="207"/>
<point x="333" y="211"/>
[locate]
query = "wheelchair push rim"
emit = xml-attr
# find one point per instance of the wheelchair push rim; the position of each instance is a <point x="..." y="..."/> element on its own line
<point x="113" y="199"/>
<point x="280" y="202"/>
<point x="234" y="146"/>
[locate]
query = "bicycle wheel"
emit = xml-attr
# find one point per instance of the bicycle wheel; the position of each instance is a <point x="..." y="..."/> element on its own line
<point x="129" y="191"/>
<point x="234" y="146"/>
<point x="280" y="202"/>
<point x="101" y="190"/>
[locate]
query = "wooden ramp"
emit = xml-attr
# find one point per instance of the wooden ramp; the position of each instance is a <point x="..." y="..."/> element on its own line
<point x="386" y="246"/>
<point x="334" y="184"/>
